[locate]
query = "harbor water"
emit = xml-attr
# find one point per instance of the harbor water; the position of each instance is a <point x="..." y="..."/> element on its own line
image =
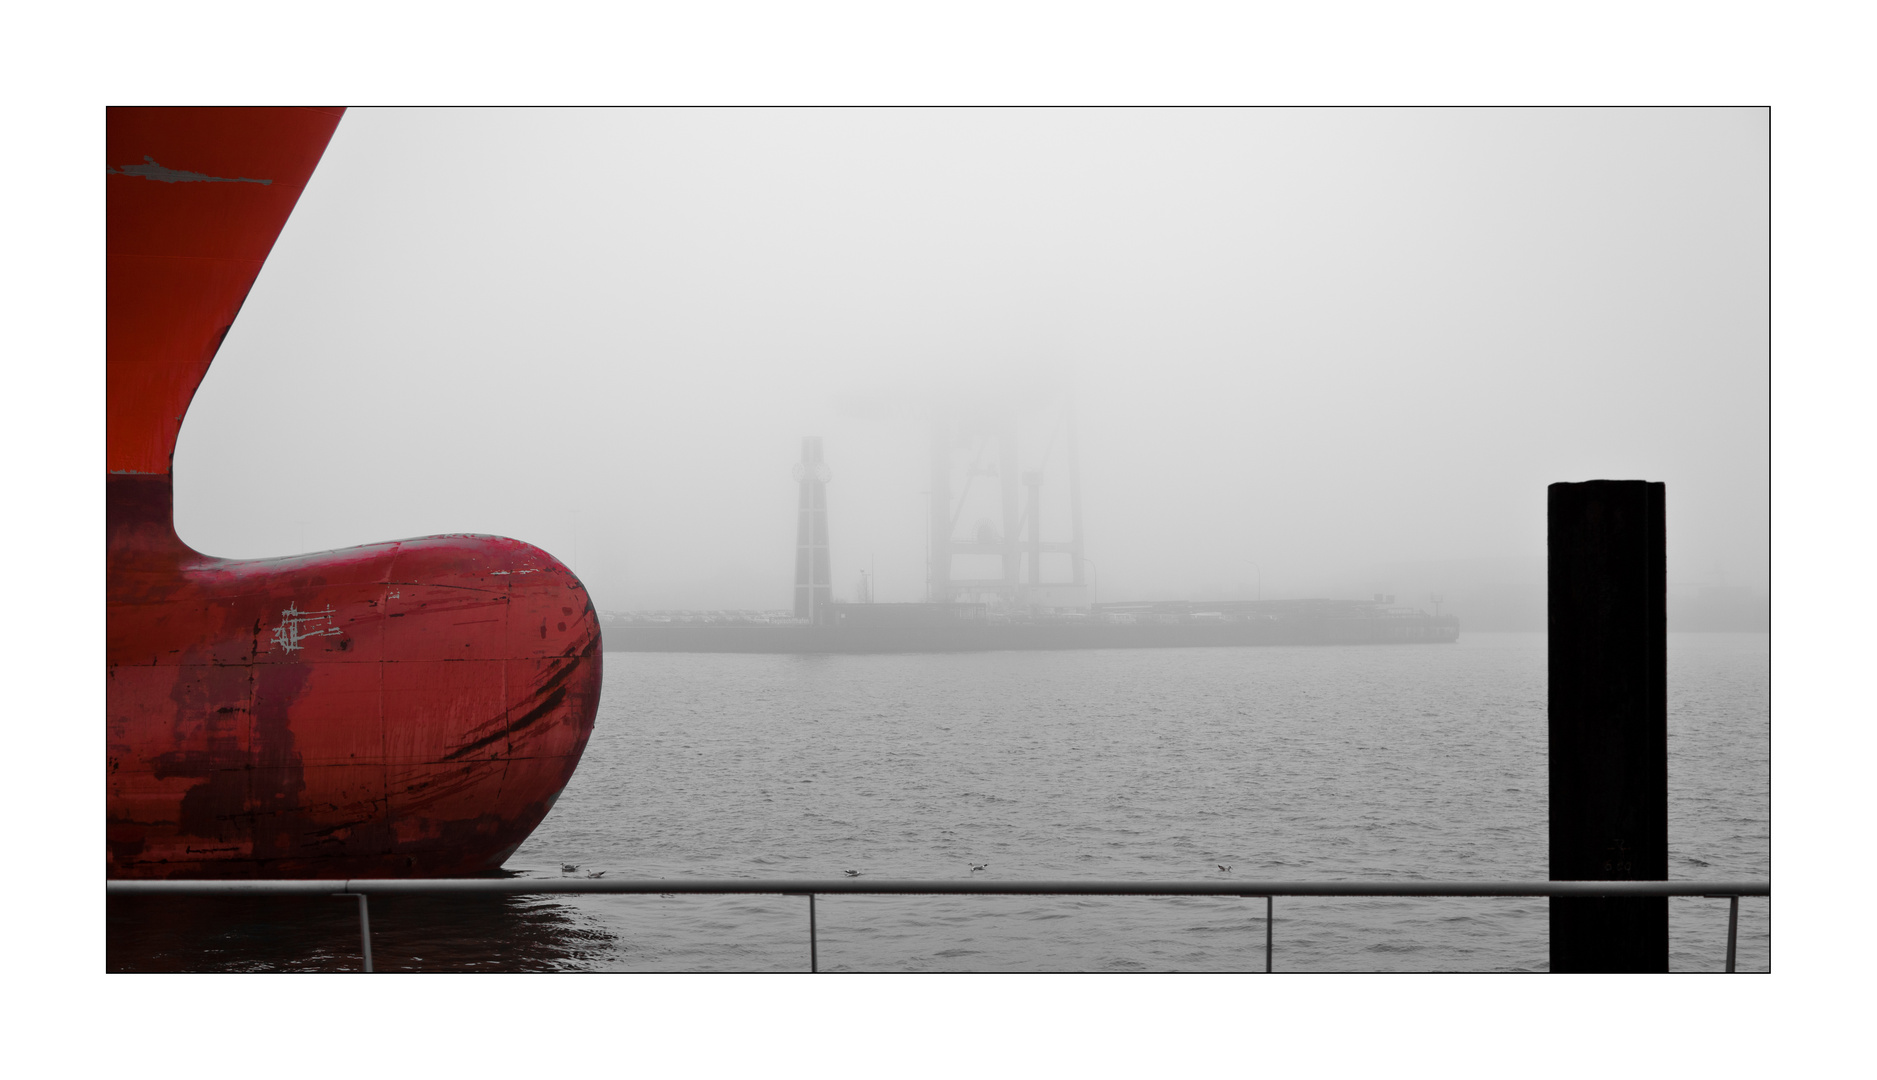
<point x="1392" y="762"/>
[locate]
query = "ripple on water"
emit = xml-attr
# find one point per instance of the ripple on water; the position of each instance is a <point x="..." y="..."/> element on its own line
<point x="1286" y="763"/>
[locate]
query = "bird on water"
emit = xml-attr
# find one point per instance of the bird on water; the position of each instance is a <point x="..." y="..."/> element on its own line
<point x="976" y="866"/>
<point x="568" y="868"/>
<point x="597" y="874"/>
<point x="1224" y="867"/>
<point x="851" y="873"/>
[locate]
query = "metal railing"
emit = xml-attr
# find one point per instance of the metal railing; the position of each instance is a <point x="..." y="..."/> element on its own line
<point x="1732" y="891"/>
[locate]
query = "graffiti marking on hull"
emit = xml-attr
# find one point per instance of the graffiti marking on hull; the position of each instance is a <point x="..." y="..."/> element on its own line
<point x="296" y="626"/>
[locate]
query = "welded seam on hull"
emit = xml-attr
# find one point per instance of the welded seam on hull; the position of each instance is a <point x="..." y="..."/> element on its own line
<point x="439" y="585"/>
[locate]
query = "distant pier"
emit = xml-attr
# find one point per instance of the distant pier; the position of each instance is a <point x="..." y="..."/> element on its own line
<point x="885" y="628"/>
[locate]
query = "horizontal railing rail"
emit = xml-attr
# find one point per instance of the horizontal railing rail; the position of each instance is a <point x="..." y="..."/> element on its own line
<point x="360" y="888"/>
<point x="943" y="887"/>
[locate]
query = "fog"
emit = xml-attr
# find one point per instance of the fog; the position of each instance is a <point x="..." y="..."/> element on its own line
<point x="1308" y="352"/>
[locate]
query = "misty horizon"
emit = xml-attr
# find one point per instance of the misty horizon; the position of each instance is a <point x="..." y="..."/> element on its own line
<point x="1311" y="352"/>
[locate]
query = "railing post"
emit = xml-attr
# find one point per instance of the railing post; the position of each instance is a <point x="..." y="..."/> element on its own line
<point x="364" y="927"/>
<point x="814" y="962"/>
<point x="1267" y="926"/>
<point x="1608" y="721"/>
<point x="1733" y="929"/>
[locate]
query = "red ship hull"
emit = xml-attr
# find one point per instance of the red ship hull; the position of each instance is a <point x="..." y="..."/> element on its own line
<point x="405" y="708"/>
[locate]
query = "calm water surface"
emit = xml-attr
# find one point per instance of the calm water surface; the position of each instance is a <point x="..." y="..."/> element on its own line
<point x="1342" y="762"/>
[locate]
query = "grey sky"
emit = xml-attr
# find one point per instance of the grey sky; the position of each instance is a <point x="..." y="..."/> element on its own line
<point x="1306" y="346"/>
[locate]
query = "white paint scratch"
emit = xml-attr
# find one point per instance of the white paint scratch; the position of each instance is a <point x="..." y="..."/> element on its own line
<point x="296" y="625"/>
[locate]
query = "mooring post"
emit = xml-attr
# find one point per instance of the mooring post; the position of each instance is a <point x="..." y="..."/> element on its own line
<point x="1608" y="721"/>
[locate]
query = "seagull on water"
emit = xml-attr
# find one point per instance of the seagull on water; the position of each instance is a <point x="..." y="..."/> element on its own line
<point x="976" y="866"/>
<point x="568" y="868"/>
<point x="1223" y="867"/>
<point x="851" y="873"/>
<point x="597" y="874"/>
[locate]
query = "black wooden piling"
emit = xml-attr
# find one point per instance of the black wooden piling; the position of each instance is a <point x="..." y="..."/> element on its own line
<point x="1608" y="721"/>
